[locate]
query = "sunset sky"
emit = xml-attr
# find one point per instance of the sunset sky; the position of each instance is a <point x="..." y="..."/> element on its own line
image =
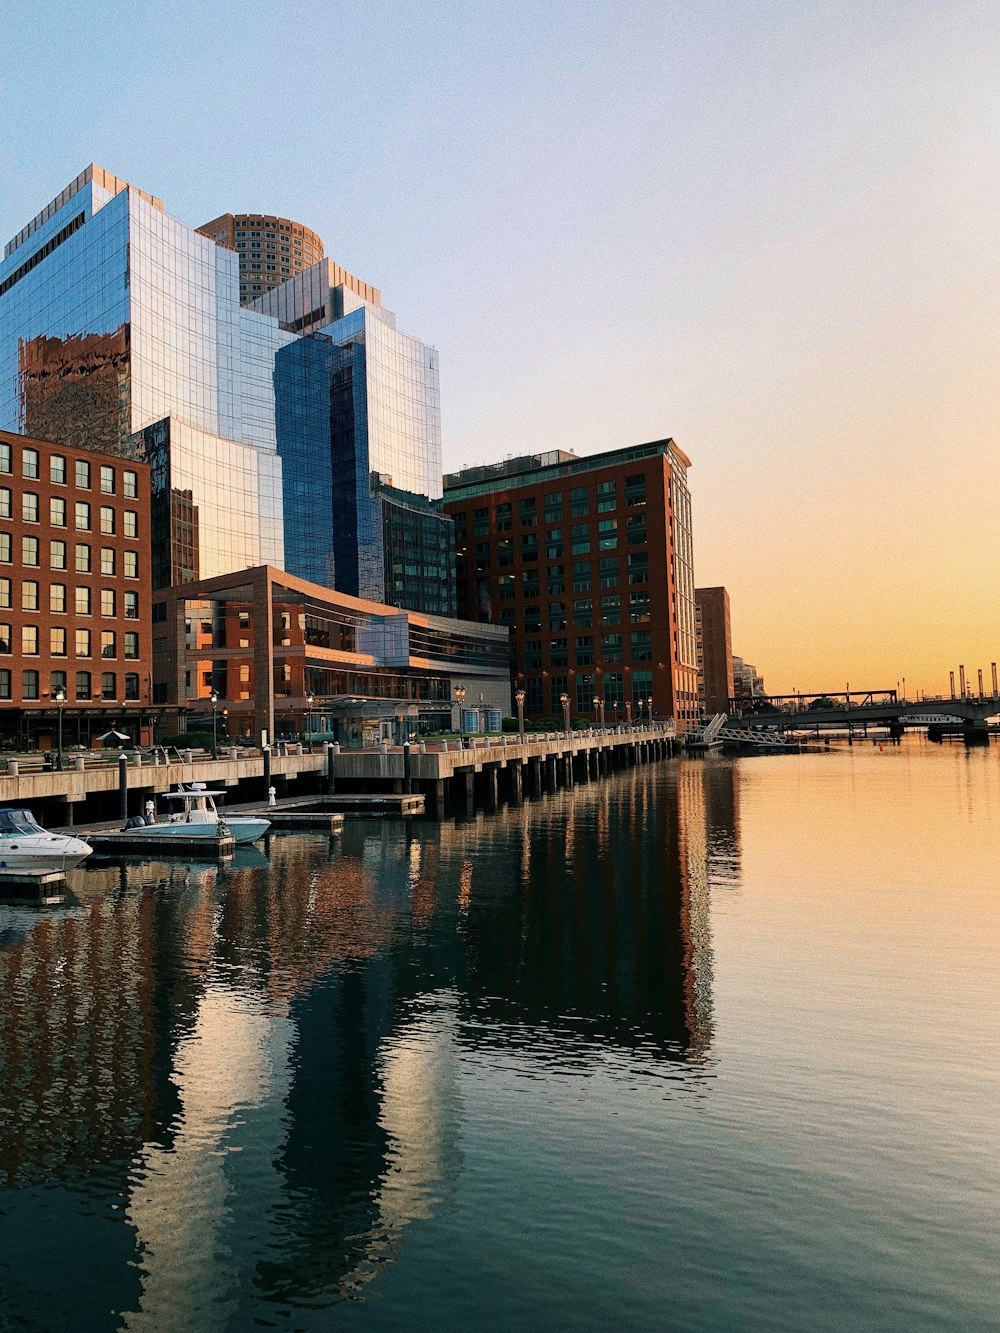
<point x="769" y="230"/>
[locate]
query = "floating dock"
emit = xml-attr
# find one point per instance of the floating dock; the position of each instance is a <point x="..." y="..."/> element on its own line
<point x="46" y="888"/>
<point x="298" y="820"/>
<point x="131" y="841"/>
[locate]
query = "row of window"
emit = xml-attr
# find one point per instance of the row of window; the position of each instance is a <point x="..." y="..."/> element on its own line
<point x="58" y="555"/>
<point x="31" y="599"/>
<point x="581" y="540"/>
<point x="606" y="499"/>
<point x="609" y="609"/>
<point x="83" y="641"/>
<point x="610" y="647"/>
<point x="82" y="471"/>
<point x="82" y="514"/>
<point x="30" y="685"/>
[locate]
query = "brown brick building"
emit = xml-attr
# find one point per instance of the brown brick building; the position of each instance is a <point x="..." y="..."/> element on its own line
<point x="587" y="561"/>
<point x="715" y="649"/>
<point x="271" y="249"/>
<point x="74" y="593"/>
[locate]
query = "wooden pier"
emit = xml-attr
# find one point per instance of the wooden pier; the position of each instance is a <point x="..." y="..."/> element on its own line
<point x="130" y="842"/>
<point x="42" y="888"/>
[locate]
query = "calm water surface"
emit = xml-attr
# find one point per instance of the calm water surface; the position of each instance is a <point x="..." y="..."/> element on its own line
<point x="710" y="1045"/>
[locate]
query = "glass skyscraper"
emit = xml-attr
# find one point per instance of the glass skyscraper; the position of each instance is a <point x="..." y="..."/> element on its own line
<point x="307" y="440"/>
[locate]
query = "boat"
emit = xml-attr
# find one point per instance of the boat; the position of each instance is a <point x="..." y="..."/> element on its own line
<point x="201" y="812"/>
<point x="25" y="845"/>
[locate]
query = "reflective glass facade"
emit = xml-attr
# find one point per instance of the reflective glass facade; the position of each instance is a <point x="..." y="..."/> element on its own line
<point x="115" y="317"/>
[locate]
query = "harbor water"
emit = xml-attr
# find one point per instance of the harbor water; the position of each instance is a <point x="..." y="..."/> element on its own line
<point x="707" y="1045"/>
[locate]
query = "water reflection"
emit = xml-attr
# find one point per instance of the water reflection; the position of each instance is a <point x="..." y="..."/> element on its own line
<point x="266" y="1061"/>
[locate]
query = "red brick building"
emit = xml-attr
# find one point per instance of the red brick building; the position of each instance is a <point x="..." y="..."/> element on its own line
<point x="74" y="593"/>
<point x="715" y="649"/>
<point x="587" y="561"/>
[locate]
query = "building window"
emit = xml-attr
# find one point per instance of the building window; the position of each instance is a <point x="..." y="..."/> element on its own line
<point x="605" y="497"/>
<point x="130" y="523"/>
<point x="580" y="536"/>
<point x="29" y="462"/>
<point x="557" y="615"/>
<point x="29" y="685"/>
<point x="611" y="610"/>
<point x="82" y="516"/>
<point x="131" y="644"/>
<point x="642" y="649"/>
<point x="107" y="479"/>
<point x="6" y="639"/>
<point x="5" y="548"/>
<point x="83" y="601"/>
<point x="585" y="650"/>
<point x="130" y="484"/>
<point x="107" y="521"/>
<point x="553" y="543"/>
<point x="607" y="534"/>
<point x="82" y="473"/>
<point x="532" y="619"/>
<point x="57" y="641"/>
<point x="4" y="502"/>
<point x="638" y="607"/>
<point x="57" y="470"/>
<point x="109" y="645"/>
<point x="504" y="517"/>
<point x="131" y="605"/>
<point x="635" y="530"/>
<point x="638" y="567"/>
<point x="29" y="507"/>
<point x="5" y="458"/>
<point x="553" y="506"/>
<point x="558" y="653"/>
<point x="109" y="685"/>
<point x="5" y="683"/>
<point x="83" y="684"/>
<point x="130" y="564"/>
<point x="83" y="643"/>
<point x="57" y="511"/>
<point x="612" y="648"/>
<point x="533" y="655"/>
<point x="131" y="685"/>
<point x="556" y="582"/>
<point x="29" y="640"/>
<point x="29" y="595"/>
<point x="529" y="545"/>
<point x="82" y="558"/>
<point x="5" y="592"/>
<point x="609" y="571"/>
<point x="57" y="554"/>
<point x="108" y="602"/>
<point x="108" y="561"/>
<point x="527" y="512"/>
<point x="57" y="597"/>
<point x="29" y="551"/>
<point x="583" y="612"/>
<point x="579" y="502"/>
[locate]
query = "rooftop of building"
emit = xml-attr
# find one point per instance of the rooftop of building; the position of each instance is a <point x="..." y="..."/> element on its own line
<point x="91" y="173"/>
<point x="533" y="469"/>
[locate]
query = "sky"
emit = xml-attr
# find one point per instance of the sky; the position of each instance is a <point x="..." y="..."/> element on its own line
<point x="767" y="230"/>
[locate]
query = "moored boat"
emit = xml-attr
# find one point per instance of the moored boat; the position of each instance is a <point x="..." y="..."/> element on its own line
<point x="25" y="845"/>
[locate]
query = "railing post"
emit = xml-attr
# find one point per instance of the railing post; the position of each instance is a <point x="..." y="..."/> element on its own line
<point x="331" y="778"/>
<point x="123" y="786"/>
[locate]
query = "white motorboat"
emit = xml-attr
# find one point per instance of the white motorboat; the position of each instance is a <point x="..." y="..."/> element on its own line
<point x="25" y="845"/>
<point x="199" y="811"/>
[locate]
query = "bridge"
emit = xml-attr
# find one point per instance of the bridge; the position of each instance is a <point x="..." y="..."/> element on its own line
<point x="858" y="708"/>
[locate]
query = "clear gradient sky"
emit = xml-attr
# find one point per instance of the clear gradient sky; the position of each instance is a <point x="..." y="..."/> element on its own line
<point x="769" y="230"/>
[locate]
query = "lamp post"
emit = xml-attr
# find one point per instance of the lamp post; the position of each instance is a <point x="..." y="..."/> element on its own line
<point x="597" y="710"/>
<point x="564" y="700"/>
<point x="614" y="705"/>
<point x="460" y="696"/>
<point x="628" y="713"/>
<point x="60" y="701"/>
<point x="215" y="724"/>
<point x="649" y="710"/>
<point x="310" y="701"/>
<point x="519" y="700"/>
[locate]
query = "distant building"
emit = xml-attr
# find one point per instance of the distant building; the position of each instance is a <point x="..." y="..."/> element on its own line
<point x="747" y="684"/>
<point x="715" y="649"/>
<point x="588" y="563"/>
<point x="74" y="594"/>
<point x="271" y="249"/>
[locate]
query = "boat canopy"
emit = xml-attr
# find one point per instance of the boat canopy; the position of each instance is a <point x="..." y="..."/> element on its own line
<point x="13" y="822"/>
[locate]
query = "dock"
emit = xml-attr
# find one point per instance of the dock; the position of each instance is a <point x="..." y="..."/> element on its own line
<point x="44" y="888"/>
<point x="131" y="841"/>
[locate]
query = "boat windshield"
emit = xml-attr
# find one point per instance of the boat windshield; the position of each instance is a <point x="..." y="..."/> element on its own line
<point x="18" y="822"/>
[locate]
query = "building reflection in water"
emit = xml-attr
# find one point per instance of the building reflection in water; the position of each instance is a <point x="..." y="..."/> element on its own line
<point x="268" y="1060"/>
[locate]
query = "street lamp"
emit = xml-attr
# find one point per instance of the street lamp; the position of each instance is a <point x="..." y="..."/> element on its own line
<point x="564" y="700"/>
<point x="310" y="700"/>
<point x="215" y="724"/>
<point x="460" y="696"/>
<point x="597" y="707"/>
<point x="614" y="705"/>
<point x="519" y="700"/>
<point x="60" y="701"/>
<point x="649" y="710"/>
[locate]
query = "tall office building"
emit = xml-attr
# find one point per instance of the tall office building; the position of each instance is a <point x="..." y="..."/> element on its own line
<point x="271" y="249"/>
<point x="122" y="330"/>
<point x="363" y="492"/>
<point x="588" y="562"/>
<point x="715" y="649"/>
